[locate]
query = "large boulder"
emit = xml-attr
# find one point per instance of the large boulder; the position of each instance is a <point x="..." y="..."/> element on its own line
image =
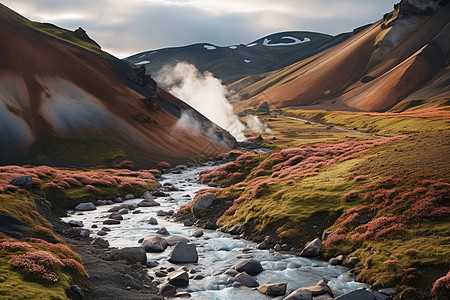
<point x="357" y="295"/>
<point x="155" y="240"/>
<point x="184" y="253"/>
<point x="174" y="239"/>
<point x="25" y="182"/>
<point x="202" y="203"/>
<point x="167" y="290"/>
<point x="179" y="278"/>
<point x="163" y="231"/>
<point x="85" y="206"/>
<point x="152" y="221"/>
<point x="273" y="289"/>
<point x="245" y="279"/>
<point x="130" y="254"/>
<point x="250" y="266"/>
<point x="299" y="295"/>
<point x="75" y="223"/>
<point x="312" y="248"/>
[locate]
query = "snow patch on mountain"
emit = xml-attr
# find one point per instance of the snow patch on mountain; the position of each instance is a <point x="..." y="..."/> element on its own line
<point x="233" y="47"/>
<point x="209" y="47"/>
<point x="142" y="62"/>
<point x="252" y="45"/>
<point x="247" y="60"/>
<point x="293" y="41"/>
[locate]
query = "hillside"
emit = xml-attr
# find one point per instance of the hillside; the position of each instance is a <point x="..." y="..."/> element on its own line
<point x="397" y="63"/>
<point x="66" y="102"/>
<point x="234" y="62"/>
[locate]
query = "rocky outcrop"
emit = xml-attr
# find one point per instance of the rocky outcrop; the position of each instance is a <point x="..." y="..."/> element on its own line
<point x="312" y="248"/>
<point x="184" y="253"/>
<point x="202" y="203"/>
<point x="25" y="182"/>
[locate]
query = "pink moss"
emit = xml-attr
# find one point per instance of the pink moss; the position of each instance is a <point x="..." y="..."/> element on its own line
<point x="39" y="264"/>
<point x="350" y="196"/>
<point x="163" y="165"/>
<point x="13" y="246"/>
<point x="441" y="286"/>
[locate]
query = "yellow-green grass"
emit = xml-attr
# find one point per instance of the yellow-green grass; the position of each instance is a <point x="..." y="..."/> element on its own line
<point x="374" y="123"/>
<point x="286" y="132"/>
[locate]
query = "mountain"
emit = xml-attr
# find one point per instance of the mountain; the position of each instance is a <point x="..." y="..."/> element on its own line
<point x="397" y="63"/>
<point x="234" y="62"/>
<point x="64" y="101"/>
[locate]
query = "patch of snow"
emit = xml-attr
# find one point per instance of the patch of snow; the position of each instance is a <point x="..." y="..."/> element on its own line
<point x="142" y="55"/>
<point x="247" y="60"/>
<point x="142" y="62"/>
<point x="294" y="41"/>
<point x="251" y="45"/>
<point x="209" y="47"/>
<point x="233" y="47"/>
<point x="153" y="52"/>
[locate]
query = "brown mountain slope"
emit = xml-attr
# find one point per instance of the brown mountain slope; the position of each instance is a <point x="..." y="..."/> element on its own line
<point x="60" y="96"/>
<point x="398" y="58"/>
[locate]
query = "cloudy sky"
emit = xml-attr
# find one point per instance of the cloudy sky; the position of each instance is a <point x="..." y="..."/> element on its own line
<point x="126" y="27"/>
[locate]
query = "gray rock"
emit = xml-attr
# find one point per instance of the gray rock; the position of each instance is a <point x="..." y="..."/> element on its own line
<point x="387" y="291"/>
<point x="231" y="272"/>
<point x="277" y="247"/>
<point x="213" y="184"/>
<point x="198" y="277"/>
<point x="106" y="229"/>
<point x="129" y="197"/>
<point x="155" y="240"/>
<point x="245" y="279"/>
<point x="111" y="222"/>
<point x="25" y="182"/>
<point x="202" y="203"/>
<point x="86" y="206"/>
<point x="130" y="254"/>
<point x="100" y="242"/>
<point x="102" y="233"/>
<point x="82" y="232"/>
<point x="325" y="235"/>
<point x="167" y="290"/>
<point x="337" y="260"/>
<point x="352" y="262"/>
<point x="152" y="263"/>
<point x="379" y="296"/>
<point x="174" y="239"/>
<point x="299" y="295"/>
<point x="235" y="230"/>
<point x="357" y="295"/>
<point x="116" y="216"/>
<point x="320" y="288"/>
<point x="179" y="278"/>
<point x="236" y="284"/>
<point x="161" y="273"/>
<point x="273" y="289"/>
<point x="198" y="233"/>
<point x="101" y="202"/>
<point x="117" y="207"/>
<point x="122" y="211"/>
<point x="74" y="223"/>
<point x="119" y="200"/>
<point x="263" y="108"/>
<point x="184" y="253"/>
<point x="137" y="211"/>
<point x="262" y="246"/>
<point x="153" y="248"/>
<point x="250" y="266"/>
<point x="183" y="295"/>
<point x="161" y="213"/>
<point x="323" y="297"/>
<point x="312" y="248"/>
<point x="148" y="203"/>
<point x="188" y="223"/>
<point x="163" y="231"/>
<point x="152" y="221"/>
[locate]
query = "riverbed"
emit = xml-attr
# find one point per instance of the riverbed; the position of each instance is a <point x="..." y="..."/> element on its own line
<point x="217" y="251"/>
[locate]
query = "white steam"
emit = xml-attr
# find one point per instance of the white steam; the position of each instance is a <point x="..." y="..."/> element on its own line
<point x="255" y="125"/>
<point x="203" y="92"/>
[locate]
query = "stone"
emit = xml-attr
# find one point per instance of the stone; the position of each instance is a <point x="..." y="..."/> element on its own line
<point x="102" y="233"/>
<point x="337" y="260"/>
<point x="101" y="202"/>
<point x="129" y="197"/>
<point x="245" y="279"/>
<point x="299" y="295"/>
<point x="323" y="297"/>
<point x="262" y="246"/>
<point x="75" y="293"/>
<point x="320" y="288"/>
<point x="155" y="239"/>
<point x="263" y="108"/>
<point x="231" y="272"/>
<point x="167" y="290"/>
<point x="161" y="273"/>
<point x="116" y="216"/>
<point x="179" y="278"/>
<point x="202" y="203"/>
<point x="82" y="232"/>
<point x="159" y="194"/>
<point x="106" y="229"/>
<point x="213" y="184"/>
<point x="25" y="182"/>
<point x="111" y="222"/>
<point x="387" y="291"/>
<point x="352" y="262"/>
<point x="181" y="167"/>
<point x="235" y="230"/>
<point x="183" y="295"/>
<point x="174" y="239"/>
<point x="250" y="266"/>
<point x="356" y="295"/>
<point x="148" y="203"/>
<point x="312" y="248"/>
<point x="277" y="247"/>
<point x="161" y="213"/>
<point x="198" y="277"/>
<point x="153" y="248"/>
<point x="122" y="211"/>
<point x="94" y="226"/>
<point x="379" y="296"/>
<point x="198" y="233"/>
<point x="86" y="206"/>
<point x="119" y="200"/>
<point x="188" y="223"/>
<point x="184" y="253"/>
<point x="98" y="241"/>
<point x="74" y="223"/>
<point x="152" y="221"/>
<point x="117" y="207"/>
<point x="152" y="264"/>
<point x="163" y="231"/>
<point x="236" y="284"/>
<point x="170" y="212"/>
<point x="130" y="254"/>
<point x="273" y="289"/>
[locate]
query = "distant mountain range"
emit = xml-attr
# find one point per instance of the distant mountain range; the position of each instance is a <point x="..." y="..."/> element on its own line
<point x="234" y="62"/>
<point x="63" y="101"/>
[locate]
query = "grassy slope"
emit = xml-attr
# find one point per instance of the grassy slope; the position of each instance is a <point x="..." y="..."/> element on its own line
<point x="64" y="188"/>
<point x="410" y="251"/>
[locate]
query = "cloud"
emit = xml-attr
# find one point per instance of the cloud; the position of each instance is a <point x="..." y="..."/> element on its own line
<point x="128" y="27"/>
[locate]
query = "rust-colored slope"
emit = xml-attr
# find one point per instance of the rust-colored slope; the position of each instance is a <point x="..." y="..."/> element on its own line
<point x="53" y="89"/>
<point x="371" y="71"/>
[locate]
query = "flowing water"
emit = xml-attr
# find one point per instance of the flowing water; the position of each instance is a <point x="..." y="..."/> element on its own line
<point x="217" y="251"/>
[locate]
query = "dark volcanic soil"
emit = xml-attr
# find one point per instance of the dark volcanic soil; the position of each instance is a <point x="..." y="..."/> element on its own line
<point x="110" y="279"/>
